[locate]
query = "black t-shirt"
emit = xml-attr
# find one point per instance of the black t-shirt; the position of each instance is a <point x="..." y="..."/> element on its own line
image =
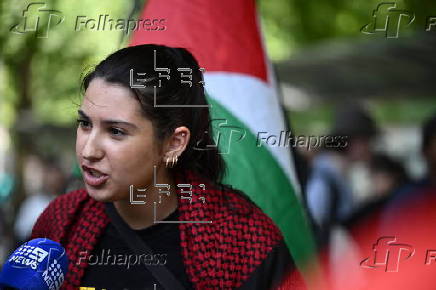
<point x="113" y="265"/>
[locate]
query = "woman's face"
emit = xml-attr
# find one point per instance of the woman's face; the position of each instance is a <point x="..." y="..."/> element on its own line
<point x="115" y="139"/>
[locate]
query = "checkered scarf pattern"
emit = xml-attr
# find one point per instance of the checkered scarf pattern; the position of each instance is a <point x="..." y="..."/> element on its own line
<point x="217" y="255"/>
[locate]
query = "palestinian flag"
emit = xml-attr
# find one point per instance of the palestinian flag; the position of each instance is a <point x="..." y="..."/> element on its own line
<point x="224" y="37"/>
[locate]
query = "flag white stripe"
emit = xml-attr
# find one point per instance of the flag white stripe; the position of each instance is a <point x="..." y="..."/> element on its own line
<point x="255" y="103"/>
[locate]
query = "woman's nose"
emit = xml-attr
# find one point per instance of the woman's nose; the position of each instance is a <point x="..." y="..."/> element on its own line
<point x="92" y="149"/>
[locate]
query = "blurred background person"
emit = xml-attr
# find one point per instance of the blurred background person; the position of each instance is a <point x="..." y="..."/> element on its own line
<point x="330" y="196"/>
<point x="403" y="216"/>
<point x="387" y="176"/>
<point x="400" y="209"/>
<point x="417" y="191"/>
<point x="53" y="184"/>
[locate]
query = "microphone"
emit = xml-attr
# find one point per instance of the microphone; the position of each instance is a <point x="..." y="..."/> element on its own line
<point x="39" y="264"/>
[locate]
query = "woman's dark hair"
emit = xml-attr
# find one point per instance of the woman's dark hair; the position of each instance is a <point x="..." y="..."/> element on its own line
<point x="141" y="69"/>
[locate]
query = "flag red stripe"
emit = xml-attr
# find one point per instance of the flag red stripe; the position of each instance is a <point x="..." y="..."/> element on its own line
<point x="223" y="35"/>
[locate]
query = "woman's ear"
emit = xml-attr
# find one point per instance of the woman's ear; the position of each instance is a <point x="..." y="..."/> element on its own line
<point x="177" y="143"/>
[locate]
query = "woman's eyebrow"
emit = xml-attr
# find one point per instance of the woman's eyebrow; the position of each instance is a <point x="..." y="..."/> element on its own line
<point x="82" y="114"/>
<point x="118" y="122"/>
<point x="110" y="121"/>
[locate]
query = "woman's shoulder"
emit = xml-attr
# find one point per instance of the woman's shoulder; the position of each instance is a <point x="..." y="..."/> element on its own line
<point x="240" y="242"/>
<point x="238" y="205"/>
<point x="231" y="210"/>
<point x="228" y="207"/>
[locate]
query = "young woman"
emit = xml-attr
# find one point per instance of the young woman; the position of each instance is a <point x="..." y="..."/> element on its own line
<point x="142" y="147"/>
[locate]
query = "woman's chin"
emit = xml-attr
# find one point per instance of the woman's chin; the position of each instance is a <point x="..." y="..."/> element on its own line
<point x="102" y="195"/>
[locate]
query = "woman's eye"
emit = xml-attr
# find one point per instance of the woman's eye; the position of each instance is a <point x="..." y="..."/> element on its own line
<point x="83" y="123"/>
<point x="116" y="132"/>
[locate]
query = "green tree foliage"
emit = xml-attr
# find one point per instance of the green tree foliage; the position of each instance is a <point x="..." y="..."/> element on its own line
<point x="291" y="25"/>
<point x="41" y="73"/>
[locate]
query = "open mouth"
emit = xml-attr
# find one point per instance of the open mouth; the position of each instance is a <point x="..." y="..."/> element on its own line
<point x="95" y="173"/>
<point x="94" y="177"/>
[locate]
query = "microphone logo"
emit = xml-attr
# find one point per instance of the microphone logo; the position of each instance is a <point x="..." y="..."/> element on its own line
<point x="28" y="256"/>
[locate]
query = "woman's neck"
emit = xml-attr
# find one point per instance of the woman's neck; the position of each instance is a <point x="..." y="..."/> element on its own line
<point x="141" y="216"/>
